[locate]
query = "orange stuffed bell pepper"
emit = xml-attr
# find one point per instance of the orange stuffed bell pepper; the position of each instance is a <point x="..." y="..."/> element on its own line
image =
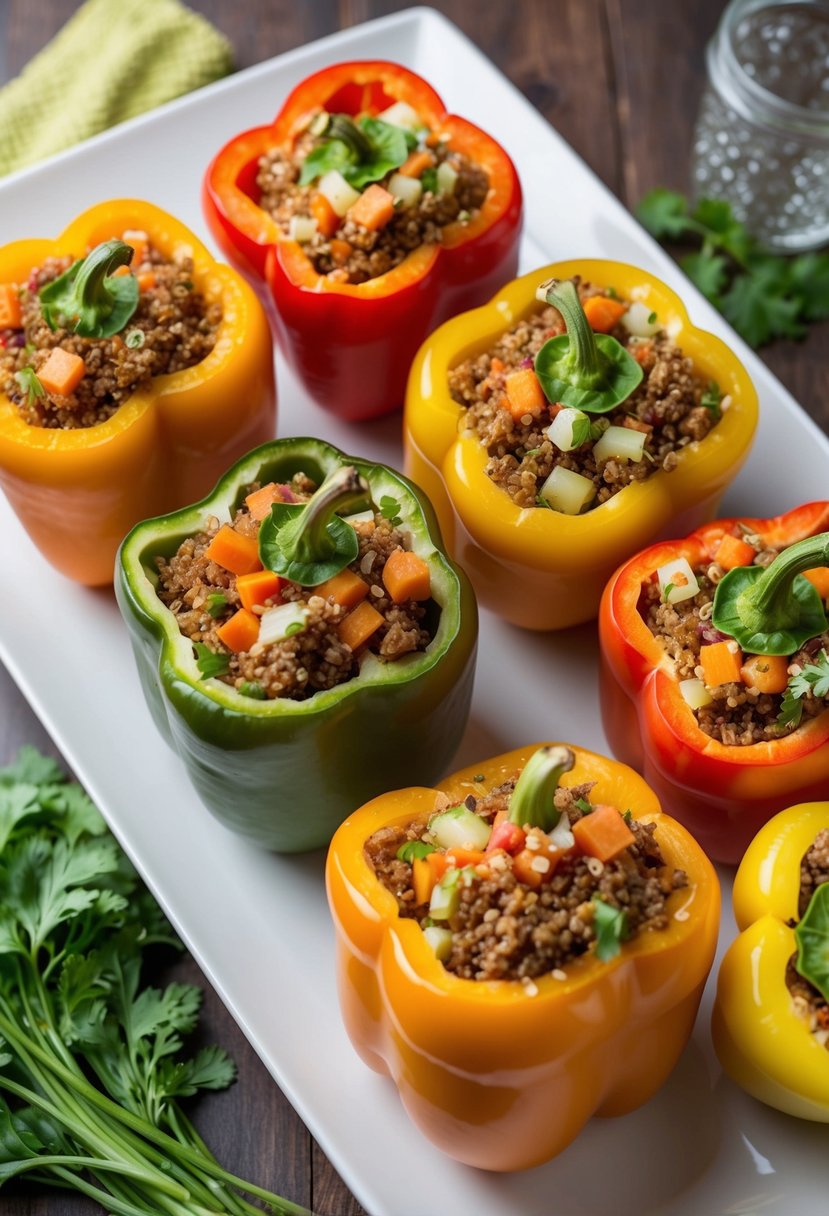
<point x="82" y="463"/>
<point x="504" y="1044"/>
<point x="331" y="211"/>
<point x="553" y="467"/>
<point x="727" y="727"/>
<point x="771" y="1014"/>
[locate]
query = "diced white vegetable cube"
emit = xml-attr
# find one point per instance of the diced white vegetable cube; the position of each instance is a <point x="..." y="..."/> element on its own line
<point x="447" y="178"/>
<point x="337" y="190"/>
<point x="302" y="228"/>
<point x="695" y="693"/>
<point x="569" y="429"/>
<point x="407" y="189"/>
<point x="620" y="443"/>
<point x="640" y="320"/>
<point x="460" y="828"/>
<point x="679" y="578"/>
<point x="282" y="622"/>
<point x="401" y="114"/>
<point x="567" y="491"/>
<point x="440" y="940"/>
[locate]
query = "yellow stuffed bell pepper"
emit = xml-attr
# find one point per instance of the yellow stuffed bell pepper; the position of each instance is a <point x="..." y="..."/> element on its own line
<point x="763" y="1042"/>
<point x="503" y="1074"/>
<point x="544" y="569"/>
<point x="78" y="491"/>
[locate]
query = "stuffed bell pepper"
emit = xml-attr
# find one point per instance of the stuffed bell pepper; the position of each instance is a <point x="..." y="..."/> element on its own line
<point x="572" y="420"/>
<point x="133" y="369"/>
<point x="302" y="640"/>
<point x="771" y="1014"/>
<point x="366" y="215"/>
<point x="715" y="671"/>
<point x="521" y="948"/>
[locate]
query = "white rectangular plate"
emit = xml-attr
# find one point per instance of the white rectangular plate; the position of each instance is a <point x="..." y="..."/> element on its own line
<point x="258" y="924"/>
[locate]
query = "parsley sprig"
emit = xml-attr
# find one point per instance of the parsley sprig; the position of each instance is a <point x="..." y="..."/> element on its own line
<point x="92" y="1063"/>
<point x="814" y="679"/>
<point x="763" y="295"/>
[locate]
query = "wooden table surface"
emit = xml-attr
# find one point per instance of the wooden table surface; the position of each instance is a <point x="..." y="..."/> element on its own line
<point x="620" y="80"/>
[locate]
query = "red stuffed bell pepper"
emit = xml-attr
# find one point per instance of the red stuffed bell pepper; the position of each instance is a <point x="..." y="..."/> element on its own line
<point x="720" y="697"/>
<point x="350" y="305"/>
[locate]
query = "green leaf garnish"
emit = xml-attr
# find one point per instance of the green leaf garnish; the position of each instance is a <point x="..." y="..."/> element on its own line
<point x="87" y="299"/>
<point x="665" y="214"/>
<point x="253" y="689"/>
<point x="414" y="848"/>
<point x="591" y="372"/>
<point x="711" y="398"/>
<point x="309" y="543"/>
<point x="812" y="937"/>
<point x="29" y="385"/>
<point x="628" y="816"/>
<point x="363" y="151"/>
<point x="611" y="925"/>
<point x="209" y="662"/>
<point x="429" y="180"/>
<point x="216" y="603"/>
<point x="532" y="799"/>
<point x="390" y="510"/>
<point x="814" y="679"/>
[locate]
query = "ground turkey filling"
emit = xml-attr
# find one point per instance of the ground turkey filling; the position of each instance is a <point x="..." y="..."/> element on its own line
<point x="667" y="405"/>
<point x="172" y="328"/>
<point x="808" y="1002"/>
<point x="738" y="713"/>
<point x="354" y="253"/>
<point x="506" y="930"/>
<point x="311" y="660"/>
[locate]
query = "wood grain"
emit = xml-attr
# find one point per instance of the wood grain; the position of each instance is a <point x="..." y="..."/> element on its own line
<point x="620" y="80"/>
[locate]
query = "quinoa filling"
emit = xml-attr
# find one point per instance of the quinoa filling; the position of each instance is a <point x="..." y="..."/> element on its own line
<point x="768" y="697"/>
<point x="808" y="1002"/>
<point x="318" y="645"/>
<point x="172" y="328"/>
<point x="355" y="233"/>
<point x="527" y="902"/>
<point x="672" y="407"/>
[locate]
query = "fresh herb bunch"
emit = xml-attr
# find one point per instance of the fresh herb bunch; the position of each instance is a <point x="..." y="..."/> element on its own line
<point x="91" y="1063"/>
<point x="814" y="678"/>
<point x="763" y="295"/>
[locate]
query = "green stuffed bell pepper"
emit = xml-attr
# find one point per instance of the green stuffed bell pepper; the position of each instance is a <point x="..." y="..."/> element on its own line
<point x="302" y="639"/>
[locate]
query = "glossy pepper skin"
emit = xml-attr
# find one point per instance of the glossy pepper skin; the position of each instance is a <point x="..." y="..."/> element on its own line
<point x="352" y="344"/>
<point x="77" y="492"/>
<point x="497" y="1076"/>
<point x="761" y="1042"/>
<point x="535" y="567"/>
<point x="285" y="773"/>
<point x="722" y="793"/>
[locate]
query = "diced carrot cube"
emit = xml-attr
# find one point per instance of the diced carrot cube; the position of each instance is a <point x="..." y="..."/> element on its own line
<point x="768" y="673"/>
<point x="819" y="578"/>
<point x="416" y="163"/>
<point x="373" y="209"/>
<point x="636" y="424"/>
<point x="438" y="863"/>
<point x="466" y="857"/>
<point x="240" y="632"/>
<point x="327" y="219"/>
<point x="496" y="365"/>
<point x="356" y="629"/>
<point x="603" y="833"/>
<point x="423" y="879"/>
<point x="260" y="501"/>
<point x="340" y="252"/>
<point x="11" y="314"/>
<point x="603" y="313"/>
<point x="255" y="588"/>
<point x="234" y="552"/>
<point x="146" y="280"/>
<point x="62" y="372"/>
<point x="524" y="393"/>
<point x="346" y="589"/>
<point x="732" y="552"/>
<point x="720" y="664"/>
<point x="406" y="576"/>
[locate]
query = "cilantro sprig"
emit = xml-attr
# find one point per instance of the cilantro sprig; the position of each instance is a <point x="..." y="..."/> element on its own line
<point x="29" y="385"/>
<point x="92" y="1061"/>
<point x="763" y="295"/>
<point x="814" y="679"/>
<point x="611" y="926"/>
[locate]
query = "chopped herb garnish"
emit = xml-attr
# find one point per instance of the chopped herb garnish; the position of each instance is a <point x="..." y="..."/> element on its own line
<point x="478" y="777"/>
<point x="29" y="385"/>
<point x="666" y="593"/>
<point x="611" y="293"/>
<point x="814" y="679"/>
<point x="584" y="806"/>
<point x="216" y="603"/>
<point x="711" y="398"/>
<point x="542" y="502"/>
<point x="135" y="339"/>
<point x="390" y="510"/>
<point x="652" y="318"/>
<point x="611" y="925"/>
<point x="414" y="848"/>
<point x="209" y="662"/>
<point x="253" y="689"/>
<point x="294" y="628"/>
<point x="532" y="452"/>
<point x="429" y="180"/>
<point x="628" y="816"/>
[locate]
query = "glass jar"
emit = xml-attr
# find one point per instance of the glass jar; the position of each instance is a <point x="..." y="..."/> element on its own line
<point x="762" y="134"/>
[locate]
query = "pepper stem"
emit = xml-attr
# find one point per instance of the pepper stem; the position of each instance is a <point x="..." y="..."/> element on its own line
<point x="306" y="537"/>
<point x="87" y="299"/>
<point x="343" y="128"/>
<point x="532" y="799"/>
<point x="584" y="356"/>
<point x="768" y="604"/>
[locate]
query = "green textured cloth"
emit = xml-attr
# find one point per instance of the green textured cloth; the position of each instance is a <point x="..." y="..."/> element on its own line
<point x="114" y="59"/>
